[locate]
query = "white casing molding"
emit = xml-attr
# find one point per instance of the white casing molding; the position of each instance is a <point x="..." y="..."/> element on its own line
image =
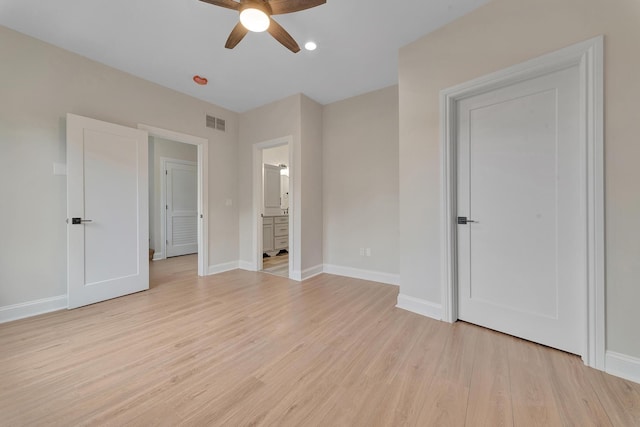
<point x="588" y="56"/>
<point x="203" y="189"/>
<point x="420" y="306"/>
<point x="356" y="273"/>
<point x="32" y="308"/>
<point x="623" y="366"/>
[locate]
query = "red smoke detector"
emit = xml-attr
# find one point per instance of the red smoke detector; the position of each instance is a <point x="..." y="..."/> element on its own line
<point x="200" y="80"/>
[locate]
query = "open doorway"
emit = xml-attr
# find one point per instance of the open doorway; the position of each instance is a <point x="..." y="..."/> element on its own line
<point x="274" y="243"/>
<point x="173" y="227"/>
<point x="177" y="200"/>
<point x="275" y="210"/>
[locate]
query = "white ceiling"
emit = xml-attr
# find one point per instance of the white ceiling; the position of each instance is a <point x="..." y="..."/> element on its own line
<point x="169" y="41"/>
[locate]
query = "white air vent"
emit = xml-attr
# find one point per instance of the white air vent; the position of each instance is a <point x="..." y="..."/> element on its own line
<point x="216" y="123"/>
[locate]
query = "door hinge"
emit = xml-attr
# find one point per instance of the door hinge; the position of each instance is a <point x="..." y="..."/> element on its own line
<point x="166" y="172"/>
<point x="166" y="207"/>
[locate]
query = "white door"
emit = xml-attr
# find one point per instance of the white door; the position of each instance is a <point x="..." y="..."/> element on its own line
<point x="182" y="208"/>
<point x="107" y="211"/>
<point x="271" y="190"/>
<point x="521" y="263"/>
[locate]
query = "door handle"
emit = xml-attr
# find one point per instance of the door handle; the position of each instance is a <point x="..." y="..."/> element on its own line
<point x="80" y="220"/>
<point x="462" y="220"/>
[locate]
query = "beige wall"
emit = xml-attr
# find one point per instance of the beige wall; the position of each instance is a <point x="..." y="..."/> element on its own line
<point x="360" y="181"/>
<point x="159" y="148"/>
<point x="311" y="184"/>
<point x="300" y="118"/>
<point x="500" y="34"/>
<point x="39" y="85"/>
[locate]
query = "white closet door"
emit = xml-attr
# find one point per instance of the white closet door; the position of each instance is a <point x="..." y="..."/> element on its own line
<point x="182" y="208"/>
<point x="271" y="190"/>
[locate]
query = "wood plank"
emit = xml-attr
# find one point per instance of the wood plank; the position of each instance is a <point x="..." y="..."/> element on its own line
<point x="578" y="402"/>
<point x="447" y="397"/>
<point x="490" y="389"/>
<point x="620" y="398"/>
<point x="533" y="401"/>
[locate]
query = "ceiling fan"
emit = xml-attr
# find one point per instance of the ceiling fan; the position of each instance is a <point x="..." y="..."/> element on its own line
<point x="255" y="15"/>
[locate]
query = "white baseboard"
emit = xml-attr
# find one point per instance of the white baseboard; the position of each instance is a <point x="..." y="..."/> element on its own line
<point x="221" y="268"/>
<point x="623" y="366"/>
<point x="296" y="275"/>
<point x="32" y="308"/>
<point x="247" y="265"/>
<point x="312" y="271"/>
<point x="356" y="273"/>
<point x="420" y="306"/>
<point x="157" y="256"/>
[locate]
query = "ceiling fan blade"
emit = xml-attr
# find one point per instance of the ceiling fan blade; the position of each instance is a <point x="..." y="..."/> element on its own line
<point x="229" y="4"/>
<point x="278" y="7"/>
<point x="237" y="34"/>
<point x="283" y="37"/>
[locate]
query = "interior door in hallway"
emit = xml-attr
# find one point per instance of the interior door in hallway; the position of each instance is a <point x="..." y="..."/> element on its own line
<point x="271" y="192"/>
<point x="522" y="246"/>
<point x="107" y="211"/>
<point x="182" y="208"/>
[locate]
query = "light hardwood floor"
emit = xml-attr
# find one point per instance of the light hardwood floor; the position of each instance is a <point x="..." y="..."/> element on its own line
<point x="242" y="348"/>
<point x="276" y="264"/>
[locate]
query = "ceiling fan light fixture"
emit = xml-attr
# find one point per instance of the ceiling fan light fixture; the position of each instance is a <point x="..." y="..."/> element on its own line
<point x="254" y="20"/>
<point x="310" y="46"/>
<point x="255" y="16"/>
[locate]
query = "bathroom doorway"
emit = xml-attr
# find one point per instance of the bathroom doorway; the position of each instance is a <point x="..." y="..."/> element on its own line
<point x="275" y="210"/>
<point x="275" y="243"/>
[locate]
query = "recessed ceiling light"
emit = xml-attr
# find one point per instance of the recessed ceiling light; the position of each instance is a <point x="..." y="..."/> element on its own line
<point x="310" y="46"/>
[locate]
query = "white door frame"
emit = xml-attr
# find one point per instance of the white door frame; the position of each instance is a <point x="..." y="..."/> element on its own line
<point x="163" y="201"/>
<point x="294" y="248"/>
<point x="203" y="188"/>
<point x="588" y="56"/>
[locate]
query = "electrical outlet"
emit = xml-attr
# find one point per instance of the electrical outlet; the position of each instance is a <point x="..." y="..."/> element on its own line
<point x="361" y="251"/>
<point x="368" y="251"/>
